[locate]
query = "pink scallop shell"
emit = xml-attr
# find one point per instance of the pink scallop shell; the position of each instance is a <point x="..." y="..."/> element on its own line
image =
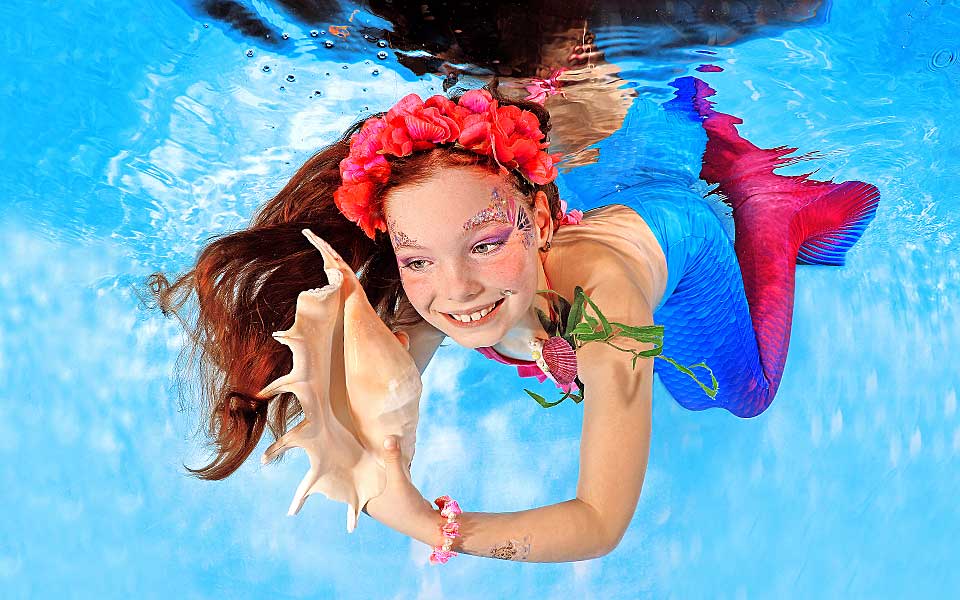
<point x="560" y="359"/>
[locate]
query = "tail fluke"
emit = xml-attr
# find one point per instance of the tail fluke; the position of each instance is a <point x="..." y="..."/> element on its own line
<point x="853" y="204"/>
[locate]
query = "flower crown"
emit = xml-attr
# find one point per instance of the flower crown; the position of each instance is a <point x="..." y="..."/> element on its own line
<point x="508" y="134"/>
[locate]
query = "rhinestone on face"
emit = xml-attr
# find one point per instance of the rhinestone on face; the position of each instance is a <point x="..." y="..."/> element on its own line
<point x="495" y="211"/>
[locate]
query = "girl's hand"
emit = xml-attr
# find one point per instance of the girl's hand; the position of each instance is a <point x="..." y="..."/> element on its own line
<point x="401" y="506"/>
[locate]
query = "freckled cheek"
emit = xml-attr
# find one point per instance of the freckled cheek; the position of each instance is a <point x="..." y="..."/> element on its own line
<point x="419" y="290"/>
<point x="509" y="269"/>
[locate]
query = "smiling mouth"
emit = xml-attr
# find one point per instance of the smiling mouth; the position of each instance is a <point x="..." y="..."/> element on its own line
<point x="485" y="318"/>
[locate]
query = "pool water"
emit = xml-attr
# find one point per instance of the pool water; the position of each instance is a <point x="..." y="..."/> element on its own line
<point x="134" y="131"/>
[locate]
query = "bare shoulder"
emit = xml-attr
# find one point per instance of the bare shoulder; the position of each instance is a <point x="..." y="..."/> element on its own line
<point x="610" y="244"/>
<point x="424" y="340"/>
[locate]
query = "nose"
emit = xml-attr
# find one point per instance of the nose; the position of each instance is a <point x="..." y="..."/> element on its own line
<point x="459" y="284"/>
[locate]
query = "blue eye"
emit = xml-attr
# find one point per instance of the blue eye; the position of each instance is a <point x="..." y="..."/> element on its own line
<point x="494" y="244"/>
<point x="407" y="266"/>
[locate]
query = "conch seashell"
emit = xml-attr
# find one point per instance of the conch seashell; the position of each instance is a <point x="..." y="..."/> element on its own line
<point x="356" y="383"/>
<point x="561" y="360"/>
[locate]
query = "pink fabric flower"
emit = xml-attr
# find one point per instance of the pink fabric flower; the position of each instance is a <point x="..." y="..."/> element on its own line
<point x="365" y="163"/>
<point x="541" y="89"/>
<point x="572" y="218"/>
<point x="569" y="218"/>
<point x="451" y="530"/>
<point x="448" y="506"/>
<point x="476" y="101"/>
<point x="441" y="556"/>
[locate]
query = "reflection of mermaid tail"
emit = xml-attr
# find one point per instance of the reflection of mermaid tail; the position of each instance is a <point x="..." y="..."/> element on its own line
<point x="780" y="221"/>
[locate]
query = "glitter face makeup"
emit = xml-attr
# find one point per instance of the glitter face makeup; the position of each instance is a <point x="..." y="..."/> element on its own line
<point x="400" y="239"/>
<point x="497" y="210"/>
<point x="504" y="211"/>
<point x="524" y="228"/>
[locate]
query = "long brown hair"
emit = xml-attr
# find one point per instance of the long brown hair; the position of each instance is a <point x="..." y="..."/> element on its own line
<point x="246" y="285"/>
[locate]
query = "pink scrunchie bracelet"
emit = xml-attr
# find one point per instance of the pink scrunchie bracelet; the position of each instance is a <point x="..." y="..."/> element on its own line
<point x="451" y="529"/>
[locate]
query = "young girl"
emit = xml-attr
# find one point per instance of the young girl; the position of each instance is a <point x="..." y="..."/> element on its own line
<point x="448" y="212"/>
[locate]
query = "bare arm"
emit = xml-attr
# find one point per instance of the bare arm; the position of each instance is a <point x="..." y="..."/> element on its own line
<point x="614" y="449"/>
<point x="563" y="532"/>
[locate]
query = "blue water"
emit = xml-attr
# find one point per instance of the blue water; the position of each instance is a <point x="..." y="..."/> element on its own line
<point x="132" y="132"/>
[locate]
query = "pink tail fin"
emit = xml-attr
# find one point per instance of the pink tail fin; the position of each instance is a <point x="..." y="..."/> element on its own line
<point x="855" y="203"/>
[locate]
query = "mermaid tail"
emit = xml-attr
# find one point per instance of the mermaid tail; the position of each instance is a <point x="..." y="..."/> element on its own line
<point x="780" y="221"/>
<point x="728" y="305"/>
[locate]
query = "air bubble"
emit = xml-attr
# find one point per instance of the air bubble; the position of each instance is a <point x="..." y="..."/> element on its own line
<point x="249" y="53"/>
<point x="291" y="78"/>
<point x="345" y="67"/>
<point x="314" y="33"/>
<point x="285" y="35"/>
<point x="328" y="44"/>
<point x="317" y="93"/>
<point x="282" y="88"/>
<point x="382" y="55"/>
<point x="266" y="68"/>
<point x="375" y="72"/>
<point x="382" y="43"/>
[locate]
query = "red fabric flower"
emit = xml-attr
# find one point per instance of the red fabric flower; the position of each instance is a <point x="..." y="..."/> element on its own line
<point x="541" y="168"/>
<point x="511" y="136"/>
<point x="412" y="125"/>
<point x="357" y="203"/>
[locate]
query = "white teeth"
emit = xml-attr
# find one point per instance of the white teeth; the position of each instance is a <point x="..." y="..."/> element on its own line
<point x="474" y="316"/>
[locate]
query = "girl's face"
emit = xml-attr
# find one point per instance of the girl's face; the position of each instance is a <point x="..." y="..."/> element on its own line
<point x="461" y="238"/>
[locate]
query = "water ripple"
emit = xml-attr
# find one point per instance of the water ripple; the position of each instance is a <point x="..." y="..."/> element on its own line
<point x="942" y="59"/>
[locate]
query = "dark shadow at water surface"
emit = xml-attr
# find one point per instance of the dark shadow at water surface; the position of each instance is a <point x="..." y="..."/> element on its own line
<point x="521" y="39"/>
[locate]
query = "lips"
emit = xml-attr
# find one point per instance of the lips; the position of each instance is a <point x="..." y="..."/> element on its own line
<point x="484" y="319"/>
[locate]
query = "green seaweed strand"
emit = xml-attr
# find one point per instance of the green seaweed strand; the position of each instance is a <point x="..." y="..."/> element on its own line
<point x="582" y="328"/>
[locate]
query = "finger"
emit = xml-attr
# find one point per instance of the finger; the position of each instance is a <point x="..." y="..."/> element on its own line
<point x="391" y="449"/>
<point x="392" y="459"/>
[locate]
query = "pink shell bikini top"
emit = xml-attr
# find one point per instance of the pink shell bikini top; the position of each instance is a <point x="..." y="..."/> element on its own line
<point x="525" y="368"/>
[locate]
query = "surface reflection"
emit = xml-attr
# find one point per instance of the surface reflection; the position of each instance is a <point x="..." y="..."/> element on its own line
<point x="568" y="54"/>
